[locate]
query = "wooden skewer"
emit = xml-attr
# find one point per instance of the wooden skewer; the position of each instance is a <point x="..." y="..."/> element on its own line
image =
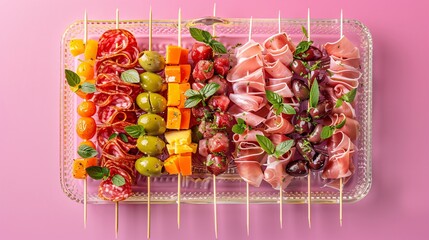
<point x="309" y="172"/>
<point x="117" y="203"/>
<point x="85" y="183"/>
<point x="214" y="176"/>
<point x="247" y="183"/>
<point x="148" y="207"/>
<point x="179" y="176"/>
<point x="341" y="179"/>
<point x="281" y="187"/>
<point x="148" y="178"/>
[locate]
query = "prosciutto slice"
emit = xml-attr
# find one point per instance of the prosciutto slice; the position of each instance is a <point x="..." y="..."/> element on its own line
<point x="275" y="68"/>
<point x="251" y="119"/>
<point x="340" y="150"/>
<point x="249" y="49"/>
<point x="342" y="48"/>
<point x="248" y="102"/>
<point x="277" y="124"/>
<point x="280" y="47"/>
<point x="275" y="173"/>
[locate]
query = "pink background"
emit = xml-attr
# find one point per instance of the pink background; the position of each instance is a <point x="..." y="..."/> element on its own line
<point x="32" y="205"/>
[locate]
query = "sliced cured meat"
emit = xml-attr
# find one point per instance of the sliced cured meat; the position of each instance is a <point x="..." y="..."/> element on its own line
<point x="282" y="89"/>
<point x="248" y="102"/>
<point x="108" y="191"/>
<point x="277" y="124"/>
<point x="247" y="136"/>
<point x="275" y="173"/>
<point x="249" y="49"/>
<point x="251" y="119"/>
<point x="275" y="68"/>
<point x="250" y="172"/>
<point x="349" y="78"/>
<point x="117" y="51"/>
<point x="244" y="68"/>
<point x="342" y="48"/>
<point x="280" y="47"/>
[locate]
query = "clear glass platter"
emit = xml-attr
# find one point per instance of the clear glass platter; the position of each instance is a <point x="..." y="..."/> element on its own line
<point x="197" y="189"/>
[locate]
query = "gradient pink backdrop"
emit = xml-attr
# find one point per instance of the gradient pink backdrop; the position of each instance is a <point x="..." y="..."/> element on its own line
<point x="32" y="205"/>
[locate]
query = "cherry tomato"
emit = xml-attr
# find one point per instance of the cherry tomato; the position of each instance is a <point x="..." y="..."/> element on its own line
<point x="76" y="47"/>
<point x="86" y="127"/>
<point x="223" y="120"/>
<point x="220" y="102"/>
<point x="221" y="65"/>
<point x="87" y="143"/>
<point x="85" y="69"/>
<point x="218" y="143"/>
<point x="201" y="51"/>
<point x="203" y="70"/>
<point x="79" y="92"/>
<point x="91" y="49"/>
<point x="86" y="109"/>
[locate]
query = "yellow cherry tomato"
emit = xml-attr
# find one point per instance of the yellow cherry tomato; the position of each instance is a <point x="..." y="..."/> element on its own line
<point x="91" y="49"/>
<point x="86" y="127"/>
<point x="86" y="109"/>
<point x="85" y="69"/>
<point x="77" y="47"/>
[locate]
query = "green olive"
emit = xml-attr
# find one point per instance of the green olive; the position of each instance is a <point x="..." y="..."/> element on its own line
<point x="158" y="103"/>
<point x="151" y="102"/>
<point x="153" y="124"/>
<point x="152" y="61"/>
<point x="149" y="166"/>
<point x="150" y="145"/>
<point x="151" y="82"/>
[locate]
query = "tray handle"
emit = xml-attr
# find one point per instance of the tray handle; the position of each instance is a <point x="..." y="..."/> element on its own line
<point x="208" y="21"/>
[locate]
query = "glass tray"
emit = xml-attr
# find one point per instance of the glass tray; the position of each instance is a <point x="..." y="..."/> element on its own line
<point x="197" y="189"/>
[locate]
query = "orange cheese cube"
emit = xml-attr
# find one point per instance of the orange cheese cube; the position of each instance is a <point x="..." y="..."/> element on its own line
<point x="172" y="55"/>
<point x="173" y="94"/>
<point x="183" y="88"/>
<point x="174" y="117"/>
<point x="80" y="165"/>
<point x="186" y="118"/>
<point x="173" y="74"/>
<point x="184" y="56"/>
<point x="185" y="72"/>
<point x="171" y="164"/>
<point x="185" y="164"/>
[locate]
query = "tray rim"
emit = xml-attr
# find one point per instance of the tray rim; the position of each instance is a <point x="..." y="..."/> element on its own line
<point x="221" y="200"/>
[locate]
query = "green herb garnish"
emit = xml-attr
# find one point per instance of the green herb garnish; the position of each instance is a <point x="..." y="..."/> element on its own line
<point x="205" y="37"/>
<point x="328" y="131"/>
<point x="302" y="48"/>
<point x="277" y="102"/>
<point x="130" y="76"/>
<point x="118" y="180"/>
<point x="269" y="148"/>
<point x="194" y="97"/>
<point x="240" y="127"/>
<point x="72" y="78"/>
<point x="314" y="94"/>
<point x="97" y="172"/>
<point x="135" y="131"/>
<point x="86" y="151"/>
<point x="348" y="97"/>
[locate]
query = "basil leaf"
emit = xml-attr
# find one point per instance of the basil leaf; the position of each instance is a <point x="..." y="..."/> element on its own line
<point x="123" y="137"/>
<point x="135" y="130"/>
<point x="278" y="108"/>
<point x="338" y="103"/>
<point x="238" y="128"/>
<point x="88" y="87"/>
<point x="113" y="136"/>
<point x="240" y="121"/>
<point x="350" y="96"/>
<point x="86" y="151"/>
<point x="315" y="66"/>
<point x="327" y="132"/>
<point x="288" y="109"/>
<point x="341" y="124"/>
<point x="97" y="172"/>
<point x="304" y="31"/>
<point x="200" y="35"/>
<point x="265" y="144"/>
<point x="130" y="76"/>
<point x="217" y="46"/>
<point x="302" y="47"/>
<point x="72" y="78"/>
<point x="209" y="89"/>
<point x="118" y="180"/>
<point x="192" y="101"/>
<point x="273" y="97"/>
<point x="191" y="93"/>
<point x="283" y="148"/>
<point x="314" y="94"/>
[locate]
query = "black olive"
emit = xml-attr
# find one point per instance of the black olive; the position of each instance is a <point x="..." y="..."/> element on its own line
<point x="297" y="168"/>
<point x="300" y="90"/>
<point x="305" y="148"/>
<point x="318" y="162"/>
